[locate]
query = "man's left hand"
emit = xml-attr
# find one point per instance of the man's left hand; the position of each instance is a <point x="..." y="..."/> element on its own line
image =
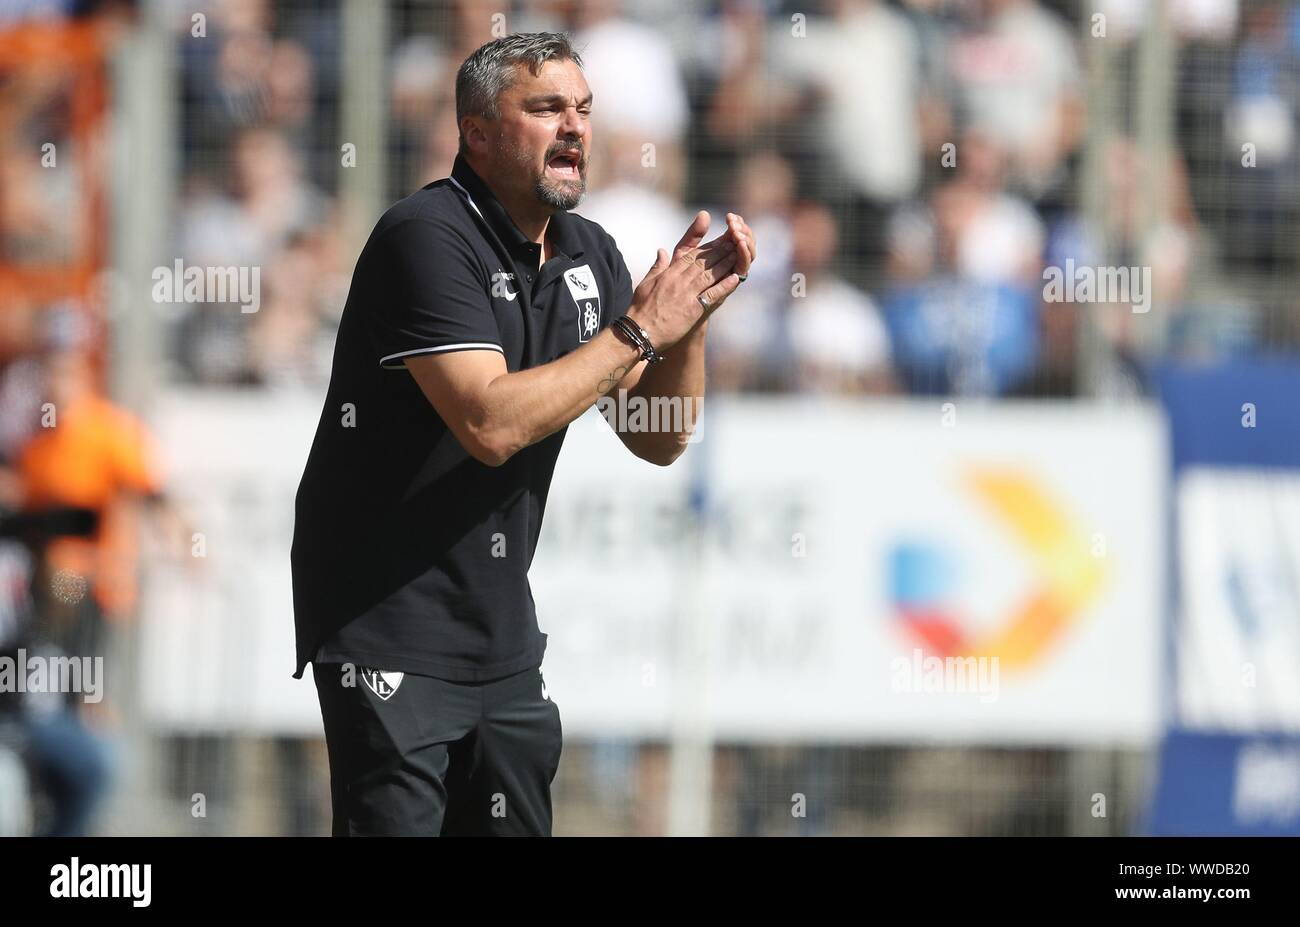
<point x="742" y="236"/>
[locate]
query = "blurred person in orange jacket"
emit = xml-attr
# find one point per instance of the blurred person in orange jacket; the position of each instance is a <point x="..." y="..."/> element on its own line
<point x="94" y="455"/>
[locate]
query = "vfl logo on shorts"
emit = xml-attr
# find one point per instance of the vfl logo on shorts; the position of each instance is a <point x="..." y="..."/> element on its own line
<point x="586" y="295"/>
<point x="381" y="683"/>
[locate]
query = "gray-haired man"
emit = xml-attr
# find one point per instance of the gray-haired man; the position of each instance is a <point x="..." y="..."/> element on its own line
<point x="482" y="319"/>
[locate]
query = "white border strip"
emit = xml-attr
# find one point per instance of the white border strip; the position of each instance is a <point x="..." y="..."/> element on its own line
<point x="461" y="188"/>
<point x="462" y="346"/>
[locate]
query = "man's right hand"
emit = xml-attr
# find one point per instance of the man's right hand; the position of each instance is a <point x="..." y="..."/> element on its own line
<point x="666" y="302"/>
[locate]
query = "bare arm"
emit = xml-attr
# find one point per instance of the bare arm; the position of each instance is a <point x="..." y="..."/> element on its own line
<point x="679" y="378"/>
<point x="494" y="413"/>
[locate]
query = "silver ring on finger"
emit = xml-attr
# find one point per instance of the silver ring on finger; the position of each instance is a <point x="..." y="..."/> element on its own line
<point x="704" y="303"/>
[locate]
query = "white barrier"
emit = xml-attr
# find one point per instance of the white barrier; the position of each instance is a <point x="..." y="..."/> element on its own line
<point x="1031" y="533"/>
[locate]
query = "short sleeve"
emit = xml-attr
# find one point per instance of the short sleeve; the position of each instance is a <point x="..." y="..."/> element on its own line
<point x="432" y="295"/>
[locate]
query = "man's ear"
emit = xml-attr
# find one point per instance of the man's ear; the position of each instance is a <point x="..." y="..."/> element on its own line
<point x="474" y="130"/>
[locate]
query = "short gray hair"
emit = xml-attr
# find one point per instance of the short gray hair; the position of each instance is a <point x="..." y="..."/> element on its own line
<point x="490" y="70"/>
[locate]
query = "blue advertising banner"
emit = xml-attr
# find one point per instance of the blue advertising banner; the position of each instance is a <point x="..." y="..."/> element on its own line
<point x="1230" y="763"/>
<point x="1227" y="785"/>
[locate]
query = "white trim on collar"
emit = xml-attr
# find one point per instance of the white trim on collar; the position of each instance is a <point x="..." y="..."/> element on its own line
<point x="461" y="188"/>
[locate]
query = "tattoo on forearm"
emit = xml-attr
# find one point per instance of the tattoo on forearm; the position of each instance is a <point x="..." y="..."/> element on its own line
<point x="615" y="375"/>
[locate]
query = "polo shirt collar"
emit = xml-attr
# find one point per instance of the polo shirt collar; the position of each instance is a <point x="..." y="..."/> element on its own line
<point x="562" y="227"/>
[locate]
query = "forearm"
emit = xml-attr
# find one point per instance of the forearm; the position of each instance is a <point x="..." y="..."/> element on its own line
<point x="520" y="409"/>
<point x="679" y="378"/>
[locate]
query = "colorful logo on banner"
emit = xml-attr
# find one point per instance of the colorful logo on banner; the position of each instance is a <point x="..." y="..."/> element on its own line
<point x="925" y="577"/>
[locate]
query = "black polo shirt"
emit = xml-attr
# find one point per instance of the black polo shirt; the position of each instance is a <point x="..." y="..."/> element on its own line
<point x="409" y="554"/>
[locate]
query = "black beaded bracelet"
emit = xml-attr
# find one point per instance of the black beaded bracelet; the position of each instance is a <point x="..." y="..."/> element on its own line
<point x="636" y="336"/>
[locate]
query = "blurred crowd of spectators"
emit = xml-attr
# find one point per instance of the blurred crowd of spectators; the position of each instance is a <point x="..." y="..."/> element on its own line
<point x="910" y="168"/>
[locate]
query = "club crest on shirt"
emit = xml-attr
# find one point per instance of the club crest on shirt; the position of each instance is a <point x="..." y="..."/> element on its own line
<point x="384" y="684"/>
<point x="586" y="295"/>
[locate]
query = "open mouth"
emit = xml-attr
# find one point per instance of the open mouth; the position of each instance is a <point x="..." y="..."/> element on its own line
<point x="565" y="165"/>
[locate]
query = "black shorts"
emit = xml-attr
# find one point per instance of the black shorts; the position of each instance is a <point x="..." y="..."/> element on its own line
<point x="417" y="756"/>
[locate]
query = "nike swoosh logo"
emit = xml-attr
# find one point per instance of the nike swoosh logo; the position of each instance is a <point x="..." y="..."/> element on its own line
<point x="511" y="296"/>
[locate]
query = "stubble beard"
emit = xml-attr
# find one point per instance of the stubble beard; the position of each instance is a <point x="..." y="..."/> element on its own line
<point x="560" y="194"/>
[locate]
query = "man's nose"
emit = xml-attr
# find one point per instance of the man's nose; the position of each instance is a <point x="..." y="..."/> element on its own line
<point x="571" y="127"/>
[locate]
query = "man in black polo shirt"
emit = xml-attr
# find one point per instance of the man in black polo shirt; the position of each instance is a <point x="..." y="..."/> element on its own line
<point x="483" y="318"/>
